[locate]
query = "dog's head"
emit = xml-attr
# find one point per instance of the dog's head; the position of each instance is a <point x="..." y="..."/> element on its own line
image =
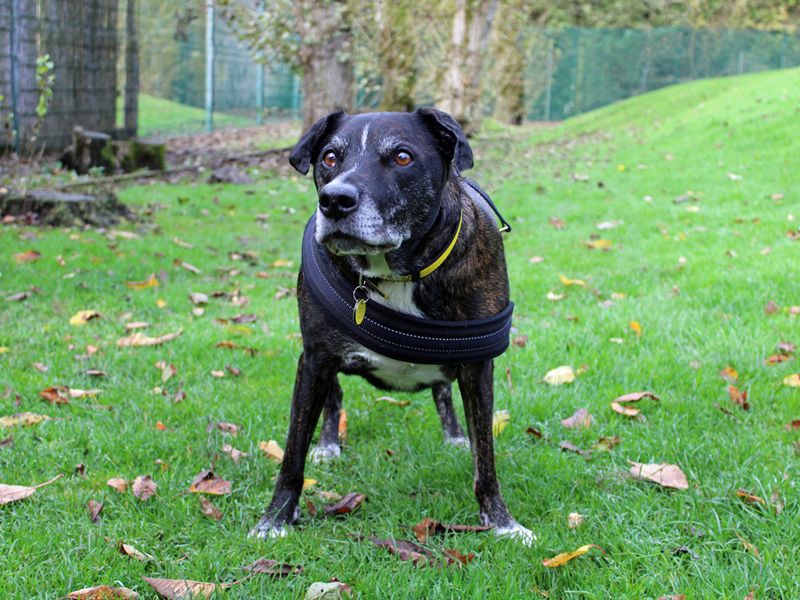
<point x="379" y="176"/>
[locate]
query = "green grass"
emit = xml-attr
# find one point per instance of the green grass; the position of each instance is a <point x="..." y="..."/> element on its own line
<point x="158" y="116"/>
<point x="697" y="282"/>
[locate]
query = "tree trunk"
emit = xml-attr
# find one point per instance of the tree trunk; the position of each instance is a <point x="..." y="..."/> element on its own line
<point x="326" y="57"/>
<point x="511" y="58"/>
<point x="131" y="71"/>
<point x="472" y="24"/>
<point x="396" y="55"/>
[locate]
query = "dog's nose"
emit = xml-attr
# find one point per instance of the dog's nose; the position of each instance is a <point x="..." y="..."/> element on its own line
<point x="337" y="200"/>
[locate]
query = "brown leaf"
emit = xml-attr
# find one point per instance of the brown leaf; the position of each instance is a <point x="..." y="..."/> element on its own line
<point x="272" y="450"/>
<point x="454" y="557"/>
<point x="636" y="396"/>
<point x="729" y="374"/>
<point x="131" y="552"/>
<point x="208" y="483"/>
<point x="183" y="589"/>
<point x="738" y="397"/>
<point x="771" y="308"/>
<point x="13" y="493"/>
<point x="570" y="447"/>
<point x="673" y="597"/>
<point x="118" y="484"/>
<point x="346" y="505"/>
<point x="144" y="487"/>
<point x="56" y="395"/>
<point x="565" y="557"/>
<point x="418" y="555"/>
<point x="748" y="546"/>
<point x="607" y="443"/>
<point x="94" y="508"/>
<point x="626" y="411"/>
<point x="575" y="520"/>
<point x="224" y="426"/>
<point x="428" y="527"/>
<point x="534" y="432"/>
<point x="775" y="359"/>
<point x="665" y="475"/>
<point x="28" y="256"/>
<point x="209" y="510"/>
<point x="184" y="265"/>
<point x="167" y="370"/>
<point x="793" y="424"/>
<point x="6" y="442"/>
<point x="235" y="371"/>
<point x="41" y="367"/>
<point x="103" y="592"/>
<point x="236" y="455"/>
<point x="273" y="568"/>
<point x="557" y="223"/>
<point x="750" y="498"/>
<point x="786" y="348"/>
<point x="137" y="325"/>
<point x="139" y="339"/>
<point x="581" y="418"/>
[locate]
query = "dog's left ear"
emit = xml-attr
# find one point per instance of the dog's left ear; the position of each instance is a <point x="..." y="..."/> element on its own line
<point x="307" y="149"/>
<point x="450" y="135"/>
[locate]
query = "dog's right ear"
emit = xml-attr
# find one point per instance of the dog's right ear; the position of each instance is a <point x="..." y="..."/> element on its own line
<point x="307" y="149"/>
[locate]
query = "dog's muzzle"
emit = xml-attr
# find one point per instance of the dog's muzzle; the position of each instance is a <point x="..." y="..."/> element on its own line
<point x="338" y="200"/>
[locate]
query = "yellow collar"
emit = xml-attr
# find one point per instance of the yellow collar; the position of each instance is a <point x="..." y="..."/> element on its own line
<point x="434" y="265"/>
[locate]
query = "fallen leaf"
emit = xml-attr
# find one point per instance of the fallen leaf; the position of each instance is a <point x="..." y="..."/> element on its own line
<point x="776" y="359"/>
<point x="342" y="426"/>
<point x="236" y="455"/>
<point x="599" y="244"/>
<point x="748" y="546"/>
<point x="271" y="567"/>
<point x="131" y="552"/>
<point x="167" y="370"/>
<point x="28" y="256"/>
<point x="144" y="487"/>
<point x="636" y="396"/>
<point x="575" y="520"/>
<point x="307" y="483"/>
<point x="570" y="447"/>
<point x="330" y="590"/>
<point x="565" y="557"/>
<point x="6" y="442"/>
<point x="557" y="223"/>
<point x="83" y="316"/>
<point x="738" y="397"/>
<point x="103" y="592"/>
<point x="500" y="421"/>
<point x="553" y="297"/>
<point x="13" y="493"/>
<point x="771" y="308"/>
<point x="209" y="510"/>
<point x="455" y="557"/>
<point x="139" y="339"/>
<point x="184" y="265"/>
<point x="792" y="380"/>
<point x="141" y="285"/>
<point x="117" y="483"/>
<point x="636" y="327"/>
<point x="750" y="498"/>
<point x="794" y="424"/>
<point x="218" y="374"/>
<point x="272" y="450"/>
<point x="729" y="374"/>
<point x="581" y="418"/>
<point x="390" y="400"/>
<point x="55" y="395"/>
<point x="346" y="505"/>
<point x="786" y="348"/>
<point x="224" y="426"/>
<point x="183" y="589"/>
<point x="607" y="443"/>
<point x="76" y="393"/>
<point x="94" y="509"/>
<point x="25" y="419"/>
<point x="673" y="597"/>
<point x="560" y="375"/>
<point x="428" y="527"/>
<point x="414" y="553"/>
<point x="534" y="432"/>
<point x="208" y="483"/>
<point x="567" y="281"/>
<point x="665" y="475"/>
<point x="535" y="260"/>
<point x="137" y="325"/>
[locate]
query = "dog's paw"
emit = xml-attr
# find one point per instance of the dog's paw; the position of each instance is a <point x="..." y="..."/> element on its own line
<point x="459" y="441"/>
<point x="267" y="531"/>
<point x="321" y="454"/>
<point x="516" y="532"/>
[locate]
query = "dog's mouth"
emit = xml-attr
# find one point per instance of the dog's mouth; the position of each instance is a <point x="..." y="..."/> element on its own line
<point x="343" y="244"/>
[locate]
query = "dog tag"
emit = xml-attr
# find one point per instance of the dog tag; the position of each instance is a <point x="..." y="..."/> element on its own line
<point x="359" y="311"/>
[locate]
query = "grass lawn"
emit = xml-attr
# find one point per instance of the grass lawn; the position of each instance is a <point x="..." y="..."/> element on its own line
<point x="695" y="276"/>
<point x="158" y="116"/>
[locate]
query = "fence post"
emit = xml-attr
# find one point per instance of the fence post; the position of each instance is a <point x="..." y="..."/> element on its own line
<point x="14" y="58"/>
<point x="740" y="68"/>
<point x="549" y="89"/>
<point x="209" y="65"/>
<point x="131" y="70"/>
<point x="260" y="92"/>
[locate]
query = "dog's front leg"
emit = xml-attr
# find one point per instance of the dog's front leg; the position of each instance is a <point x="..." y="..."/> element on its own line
<point x="477" y="391"/>
<point x="312" y="384"/>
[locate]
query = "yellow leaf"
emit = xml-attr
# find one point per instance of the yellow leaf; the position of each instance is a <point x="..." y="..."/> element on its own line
<point x="729" y="374"/>
<point x="792" y="380"/>
<point x="161" y="303"/>
<point x="500" y="421"/>
<point x="272" y="450"/>
<point x="26" y="419"/>
<point x="141" y="285"/>
<point x="568" y="281"/>
<point x="307" y="483"/>
<point x="3" y="349"/>
<point x="599" y="244"/>
<point x="636" y="327"/>
<point x="83" y="316"/>
<point x="565" y="557"/>
<point x="560" y="375"/>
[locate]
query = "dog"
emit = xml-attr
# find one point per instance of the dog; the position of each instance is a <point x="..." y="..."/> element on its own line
<point x="416" y="244"/>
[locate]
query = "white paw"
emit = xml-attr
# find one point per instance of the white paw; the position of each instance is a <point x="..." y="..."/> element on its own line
<point x="321" y="454"/>
<point x="459" y="441"/>
<point x="516" y="532"/>
<point x="265" y="531"/>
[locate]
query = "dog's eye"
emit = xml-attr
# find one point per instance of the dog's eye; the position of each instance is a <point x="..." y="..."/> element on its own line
<point x="403" y="158"/>
<point x="329" y="159"/>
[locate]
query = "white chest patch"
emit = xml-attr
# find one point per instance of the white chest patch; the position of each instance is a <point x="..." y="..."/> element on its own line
<point x="397" y="374"/>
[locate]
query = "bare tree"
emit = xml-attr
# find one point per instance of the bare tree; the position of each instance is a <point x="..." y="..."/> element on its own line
<point x="462" y="85"/>
<point x="396" y="54"/>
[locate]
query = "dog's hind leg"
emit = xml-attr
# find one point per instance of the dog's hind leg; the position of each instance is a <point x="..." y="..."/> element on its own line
<point x="443" y="398"/>
<point x="312" y="384"/>
<point x="476" y="385"/>
<point x="328" y="446"/>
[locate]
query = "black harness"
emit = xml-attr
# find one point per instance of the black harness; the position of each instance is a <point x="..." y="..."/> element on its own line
<point x="395" y="334"/>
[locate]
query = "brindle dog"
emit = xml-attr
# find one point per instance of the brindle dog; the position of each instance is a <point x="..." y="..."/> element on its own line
<point x="390" y="200"/>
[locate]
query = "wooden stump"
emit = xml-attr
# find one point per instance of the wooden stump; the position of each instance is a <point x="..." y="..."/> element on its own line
<point x="58" y="209"/>
<point x="90" y="149"/>
<point x="145" y="154"/>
